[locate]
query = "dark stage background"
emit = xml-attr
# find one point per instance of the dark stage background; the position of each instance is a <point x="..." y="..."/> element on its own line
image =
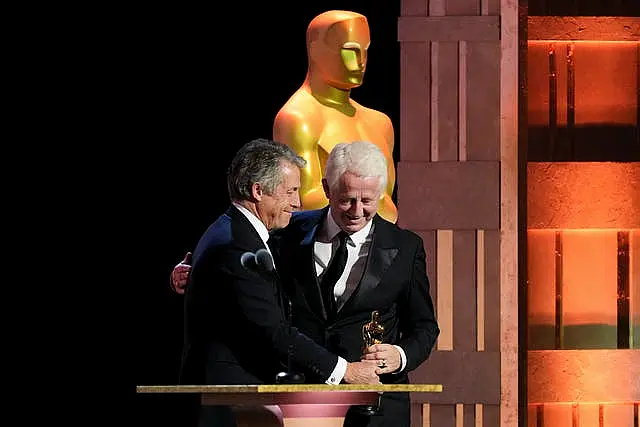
<point x="212" y="79"/>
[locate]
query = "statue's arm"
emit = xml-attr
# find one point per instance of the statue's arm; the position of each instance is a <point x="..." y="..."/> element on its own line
<point x="301" y="134"/>
<point x="388" y="209"/>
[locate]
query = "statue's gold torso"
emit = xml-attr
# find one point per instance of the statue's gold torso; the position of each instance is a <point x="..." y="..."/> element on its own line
<point x="312" y="129"/>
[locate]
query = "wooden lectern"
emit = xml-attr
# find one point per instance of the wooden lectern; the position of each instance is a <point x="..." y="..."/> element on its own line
<point x="301" y="404"/>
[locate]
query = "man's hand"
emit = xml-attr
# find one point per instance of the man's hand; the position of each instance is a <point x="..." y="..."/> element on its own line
<point x="180" y="274"/>
<point x="386" y="356"/>
<point x="363" y="372"/>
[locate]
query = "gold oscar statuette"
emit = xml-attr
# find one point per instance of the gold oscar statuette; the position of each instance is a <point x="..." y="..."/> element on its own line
<point x="372" y="331"/>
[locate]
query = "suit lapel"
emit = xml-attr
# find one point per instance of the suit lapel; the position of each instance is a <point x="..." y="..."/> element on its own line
<point x="246" y="232"/>
<point x="381" y="256"/>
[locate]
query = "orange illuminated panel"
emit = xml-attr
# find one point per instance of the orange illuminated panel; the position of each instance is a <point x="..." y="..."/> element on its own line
<point x="582" y="100"/>
<point x="541" y="288"/>
<point x="538" y="84"/>
<point x="606" y="83"/>
<point x="589" y="288"/>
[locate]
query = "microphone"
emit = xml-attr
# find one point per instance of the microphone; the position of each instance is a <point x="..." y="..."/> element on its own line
<point x="260" y="261"/>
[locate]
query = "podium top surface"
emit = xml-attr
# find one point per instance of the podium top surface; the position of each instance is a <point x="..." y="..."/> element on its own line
<point x="288" y="388"/>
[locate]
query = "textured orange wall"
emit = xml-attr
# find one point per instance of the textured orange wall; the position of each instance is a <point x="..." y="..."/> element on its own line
<point x="583" y="195"/>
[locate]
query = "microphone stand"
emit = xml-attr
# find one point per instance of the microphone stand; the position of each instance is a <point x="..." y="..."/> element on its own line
<point x="290" y="377"/>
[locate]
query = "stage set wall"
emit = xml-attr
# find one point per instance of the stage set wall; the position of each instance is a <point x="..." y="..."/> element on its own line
<point x="529" y="214"/>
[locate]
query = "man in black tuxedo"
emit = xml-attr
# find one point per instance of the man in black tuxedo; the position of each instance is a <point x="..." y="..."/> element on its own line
<point x="236" y="326"/>
<point x="383" y="269"/>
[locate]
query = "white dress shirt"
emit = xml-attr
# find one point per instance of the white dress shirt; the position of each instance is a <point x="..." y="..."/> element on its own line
<point x="358" y="246"/>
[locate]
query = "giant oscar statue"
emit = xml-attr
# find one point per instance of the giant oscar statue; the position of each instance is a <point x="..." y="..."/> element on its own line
<point x="321" y="113"/>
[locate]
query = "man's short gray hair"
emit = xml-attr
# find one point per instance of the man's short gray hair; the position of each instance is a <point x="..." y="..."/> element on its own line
<point x="361" y="158"/>
<point x="259" y="161"/>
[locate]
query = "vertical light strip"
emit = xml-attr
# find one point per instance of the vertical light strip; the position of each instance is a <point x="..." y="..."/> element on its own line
<point x="434" y="100"/>
<point x="480" y="288"/>
<point x="436" y="7"/>
<point x="444" y="244"/>
<point x="426" y="415"/>
<point x="478" y="415"/>
<point x="510" y="198"/>
<point x="559" y="328"/>
<point x="634" y="288"/>
<point x="553" y="102"/>
<point x="638" y="93"/>
<point x="571" y="100"/>
<point x="459" y="415"/>
<point x="600" y="415"/>
<point x="540" y="416"/>
<point x="484" y="7"/>
<point x="624" y="312"/>
<point x="462" y="100"/>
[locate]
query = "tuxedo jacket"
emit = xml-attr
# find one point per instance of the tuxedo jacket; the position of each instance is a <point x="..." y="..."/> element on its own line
<point x="236" y="329"/>
<point x="394" y="283"/>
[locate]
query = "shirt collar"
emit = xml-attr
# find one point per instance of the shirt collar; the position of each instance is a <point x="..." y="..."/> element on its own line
<point x="255" y="221"/>
<point x="332" y="229"/>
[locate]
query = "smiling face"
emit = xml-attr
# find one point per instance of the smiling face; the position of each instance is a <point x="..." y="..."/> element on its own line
<point x="275" y="209"/>
<point x="354" y="202"/>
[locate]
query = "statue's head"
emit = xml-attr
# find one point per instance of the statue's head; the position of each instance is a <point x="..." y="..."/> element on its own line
<point x="337" y="43"/>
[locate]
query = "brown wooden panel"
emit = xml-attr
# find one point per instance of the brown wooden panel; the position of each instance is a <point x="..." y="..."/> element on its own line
<point x="462" y="7"/>
<point x="583" y="376"/>
<point x="464" y="290"/>
<point x="413" y="7"/>
<point x="447" y="100"/>
<point x="415" y="93"/>
<point x="438" y="195"/>
<point x="483" y="101"/>
<point x="616" y="28"/>
<point x="490" y="7"/>
<point x="448" y="28"/>
<point x="492" y="290"/>
<point x="583" y="195"/>
<point x="429" y="243"/>
<point x="443" y="415"/>
<point x="490" y="415"/>
<point x="469" y="415"/>
<point x="466" y="377"/>
<point x="416" y="415"/>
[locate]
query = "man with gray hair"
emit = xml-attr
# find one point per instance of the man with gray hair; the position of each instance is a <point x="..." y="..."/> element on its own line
<point x="236" y="326"/>
<point x="342" y="263"/>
